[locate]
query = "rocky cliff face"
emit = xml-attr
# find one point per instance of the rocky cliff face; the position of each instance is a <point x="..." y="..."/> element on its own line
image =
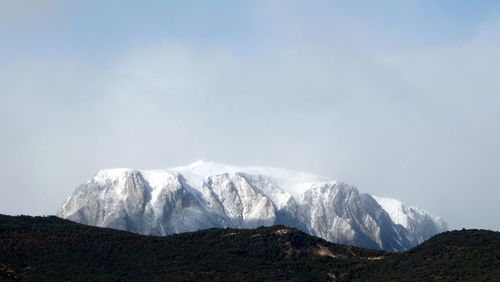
<point x="205" y="195"/>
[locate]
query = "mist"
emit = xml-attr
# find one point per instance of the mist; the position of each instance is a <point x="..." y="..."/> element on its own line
<point x="412" y="117"/>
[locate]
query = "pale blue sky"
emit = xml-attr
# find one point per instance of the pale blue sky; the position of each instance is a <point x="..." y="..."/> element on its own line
<point x="400" y="98"/>
<point x="97" y="29"/>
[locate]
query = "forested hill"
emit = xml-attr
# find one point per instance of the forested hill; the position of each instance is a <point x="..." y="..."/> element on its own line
<point x="53" y="249"/>
<point x="467" y="255"/>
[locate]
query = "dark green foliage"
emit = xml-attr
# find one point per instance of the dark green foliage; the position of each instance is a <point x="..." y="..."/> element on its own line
<point x="53" y="249"/>
<point x="469" y="255"/>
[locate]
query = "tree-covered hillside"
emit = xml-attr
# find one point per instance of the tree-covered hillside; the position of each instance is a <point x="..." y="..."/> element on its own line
<point x="467" y="255"/>
<point x="53" y="249"/>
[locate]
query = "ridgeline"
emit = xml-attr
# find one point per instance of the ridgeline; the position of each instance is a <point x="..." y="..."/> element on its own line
<point x="54" y="249"/>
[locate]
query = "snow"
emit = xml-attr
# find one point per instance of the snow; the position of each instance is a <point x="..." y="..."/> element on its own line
<point x="395" y="210"/>
<point x="403" y="214"/>
<point x="113" y="174"/>
<point x="284" y="184"/>
<point x="280" y="185"/>
<point x="157" y="179"/>
<point x="242" y="197"/>
<point x="288" y="181"/>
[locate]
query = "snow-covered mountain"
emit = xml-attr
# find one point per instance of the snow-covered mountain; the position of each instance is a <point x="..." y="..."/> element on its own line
<point x="420" y="223"/>
<point x="205" y="195"/>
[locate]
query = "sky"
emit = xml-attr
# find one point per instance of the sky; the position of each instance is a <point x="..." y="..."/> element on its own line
<point x="399" y="98"/>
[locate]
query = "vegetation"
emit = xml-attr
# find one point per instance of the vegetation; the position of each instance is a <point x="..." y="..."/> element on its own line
<point x="468" y="255"/>
<point x="53" y="249"/>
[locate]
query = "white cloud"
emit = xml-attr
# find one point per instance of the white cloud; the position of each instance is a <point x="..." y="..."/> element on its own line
<point x="419" y="124"/>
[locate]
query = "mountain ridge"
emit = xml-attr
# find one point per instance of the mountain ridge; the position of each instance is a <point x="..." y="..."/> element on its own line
<point x="204" y="195"/>
<point x="55" y="249"/>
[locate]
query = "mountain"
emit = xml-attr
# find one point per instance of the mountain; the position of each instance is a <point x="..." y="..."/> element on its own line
<point x="206" y="195"/>
<point x="54" y="249"/>
<point x="421" y="224"/>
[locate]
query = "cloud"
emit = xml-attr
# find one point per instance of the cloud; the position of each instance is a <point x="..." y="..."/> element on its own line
<point x="416" y="123"/>
<point x="20" y="12"/>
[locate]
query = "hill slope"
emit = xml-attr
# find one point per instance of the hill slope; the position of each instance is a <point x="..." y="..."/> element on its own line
<point x="49" y="248"/>
<point x="470" y="255"/>
<point x="53" y="249"/>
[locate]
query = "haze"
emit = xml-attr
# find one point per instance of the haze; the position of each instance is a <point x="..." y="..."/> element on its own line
<point x="399" y="98"/>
